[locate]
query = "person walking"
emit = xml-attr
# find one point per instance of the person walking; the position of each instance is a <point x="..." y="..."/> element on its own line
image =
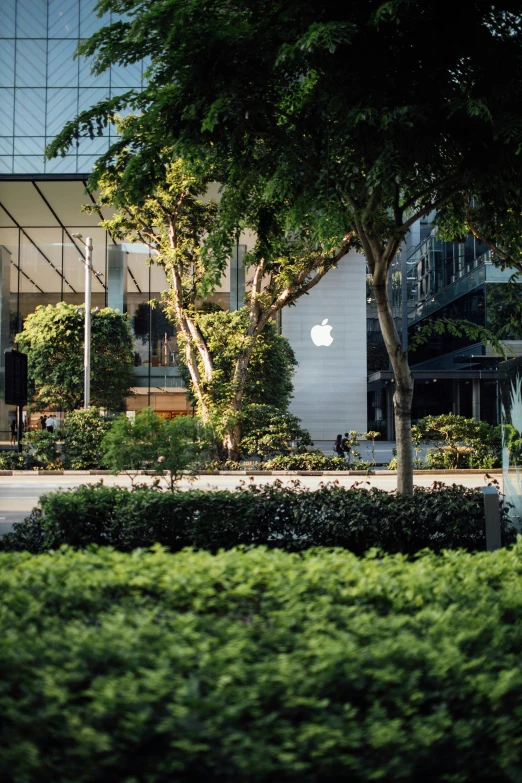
<point x="50" y="423"/>
<point x="43" y="422"/>
<point x="13" y="430"/>
<point x="338" y="446"/>
<point x="346" y="445"/>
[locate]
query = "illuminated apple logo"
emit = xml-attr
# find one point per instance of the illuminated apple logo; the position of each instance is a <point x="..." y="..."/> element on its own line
<point x="320" y="334"/>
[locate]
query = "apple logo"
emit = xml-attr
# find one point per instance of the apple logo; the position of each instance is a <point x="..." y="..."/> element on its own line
<point x="320" y="334"/>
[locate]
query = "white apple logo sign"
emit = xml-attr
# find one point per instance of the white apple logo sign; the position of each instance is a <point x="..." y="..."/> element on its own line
<point x="320" y="334"/>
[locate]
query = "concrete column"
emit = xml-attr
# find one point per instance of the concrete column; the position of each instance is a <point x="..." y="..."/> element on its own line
<point x="237" y="277"/>
<point x="5" y="290"/>
<point x="475" y="399"/>
<point x="117" y="282"/>
<point x="456" y="397"/>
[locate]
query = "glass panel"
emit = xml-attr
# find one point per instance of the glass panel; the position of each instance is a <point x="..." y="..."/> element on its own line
<point x="6" y="164"/>
<point x="26" y="164"/>
<point x="6" y="145"/>
<point x="29" y="145"/>
<point x="31" y="19"/>
<point x="7" y="28"/>
<point x="7" y="60"/>
<point x="62" y="106"/>
<point x="30" y="63"/>
<point x="86" y="163"/>
<point x="6" y="112"/>
<point x="88" y="97"/>
<point x="60" y="165"/>
<point x="89" y="22"/>
<point x="62" y="69"/>
<point x="64" y="18"/>
<point x="126" y="75"/>
<point x="96" y="146"/>
<point x="89" y="80"/>
<point x="43" y="265"/>
<point x="29" y="112"/>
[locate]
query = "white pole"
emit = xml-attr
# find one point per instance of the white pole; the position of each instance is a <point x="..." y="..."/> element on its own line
<point x="87" y="336"/>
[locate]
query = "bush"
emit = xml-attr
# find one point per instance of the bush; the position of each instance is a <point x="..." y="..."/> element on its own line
<point x="41" y="446"/>
<point x="292" y="518"/>
<point x="150" y="441"/>
<point x="83" y="432"/>
<point x="312" y="460"/>
<point x="459" y="442"/>
<point x="260" y="666"/>
<point x="266" y="430"/>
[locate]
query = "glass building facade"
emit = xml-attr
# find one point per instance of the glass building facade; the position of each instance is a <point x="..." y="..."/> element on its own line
<point x="42" y="86"/>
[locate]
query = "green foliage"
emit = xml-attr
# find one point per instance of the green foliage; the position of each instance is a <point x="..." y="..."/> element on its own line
<point x="289" y="517"/>
<point x="82" y="433"/>
<point x="461" y="442"/>
<point x="270" y="369"/>
<point x="12" y="460"/>
<point x="150" y="441"/>
<point x="53" y="340"/>
<point x="42" y="447"/>
<point x="456" y="328"/>
<point x="260" y="666"/>
<point x="266" y="430"/>
<point x="313" y="460"/>
<point x="513" y="441"/>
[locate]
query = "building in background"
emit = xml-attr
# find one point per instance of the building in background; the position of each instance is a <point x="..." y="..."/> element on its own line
<point x="457" y="280"/>
<point x="41" y="88"/>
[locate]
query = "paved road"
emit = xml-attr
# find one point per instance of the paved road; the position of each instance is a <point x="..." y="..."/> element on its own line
<point x="19" y="494"/>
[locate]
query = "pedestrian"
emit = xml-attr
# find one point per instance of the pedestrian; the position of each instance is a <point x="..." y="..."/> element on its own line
<point x="50" y="423"/>
<point x="338" y="446"/>
<point x="346" y="445"/>
<point x="13" y="430"/>
<point x="43" y="422"/>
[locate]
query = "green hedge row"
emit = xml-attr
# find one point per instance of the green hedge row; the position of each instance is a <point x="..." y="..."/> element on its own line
<point x="260" y="666"/>
<point x="292" y="518"/>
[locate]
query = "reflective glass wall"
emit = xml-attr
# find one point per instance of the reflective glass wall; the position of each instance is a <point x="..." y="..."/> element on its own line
<point x="42" y="86"/>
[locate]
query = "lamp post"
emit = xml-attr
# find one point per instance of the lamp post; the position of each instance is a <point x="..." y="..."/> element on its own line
<point x="87" y="331"/>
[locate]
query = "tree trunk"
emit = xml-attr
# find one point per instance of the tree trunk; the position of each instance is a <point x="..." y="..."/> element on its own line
<point x="232" y="438"/>
<point x="403" y="395"/>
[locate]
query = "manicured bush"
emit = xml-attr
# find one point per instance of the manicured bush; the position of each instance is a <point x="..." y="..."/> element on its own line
<point x="82" y="433"/>
<point x="260" y="666"/>
<point x="459" y="442"/>
<point x="312" y="460"/>
<point x="292" y="518"/>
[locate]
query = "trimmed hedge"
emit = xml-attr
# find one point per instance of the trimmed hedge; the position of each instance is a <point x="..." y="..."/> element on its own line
<point x="260" y="667"/>
<point x="289" y="517"/>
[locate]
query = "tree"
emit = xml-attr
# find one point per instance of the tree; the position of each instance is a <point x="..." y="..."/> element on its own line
<point x="355" y="120"/>
<point x="190" y="243"/>
<point x="271" y="365"/>
<point x="53" y="340"/>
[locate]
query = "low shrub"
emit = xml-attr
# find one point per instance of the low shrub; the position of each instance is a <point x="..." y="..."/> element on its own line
<point x="312" y="460"/>
<point x="260" y="666"/>
<point x="42" y="446"/>
<point x="289" y="517"/>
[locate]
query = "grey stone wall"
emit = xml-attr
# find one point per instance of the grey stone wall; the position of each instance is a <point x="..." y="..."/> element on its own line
<point x="330" y="381"/>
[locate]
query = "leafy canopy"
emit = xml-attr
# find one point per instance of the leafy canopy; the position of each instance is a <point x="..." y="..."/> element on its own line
<point x="271" y="366"/>
<point x="53" y="339"/>
<point x="356" y="115"/>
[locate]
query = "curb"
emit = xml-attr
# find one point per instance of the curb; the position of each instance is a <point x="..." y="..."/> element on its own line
<point x="243" y="473"/>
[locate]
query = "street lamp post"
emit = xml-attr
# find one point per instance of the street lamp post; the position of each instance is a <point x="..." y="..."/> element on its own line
<point x="87" y="331"/>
